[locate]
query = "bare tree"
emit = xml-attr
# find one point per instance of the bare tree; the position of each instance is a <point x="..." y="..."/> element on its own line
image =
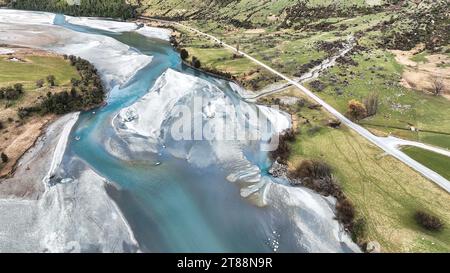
<point x="438" y="85"/>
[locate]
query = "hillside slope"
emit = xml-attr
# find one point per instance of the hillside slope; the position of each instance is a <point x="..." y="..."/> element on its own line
<point x="246" y="12"/>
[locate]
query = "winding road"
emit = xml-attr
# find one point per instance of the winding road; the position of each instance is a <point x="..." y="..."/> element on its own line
<point x="390" y="145"/>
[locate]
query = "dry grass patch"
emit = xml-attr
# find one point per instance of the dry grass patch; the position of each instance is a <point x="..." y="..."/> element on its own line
<point x="421" y="69"/>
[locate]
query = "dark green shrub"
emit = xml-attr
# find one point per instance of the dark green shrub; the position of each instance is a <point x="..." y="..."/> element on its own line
<point x="428" y="221"/>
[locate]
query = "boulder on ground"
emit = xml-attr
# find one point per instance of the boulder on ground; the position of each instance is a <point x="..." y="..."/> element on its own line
<point x="373" y="247"/>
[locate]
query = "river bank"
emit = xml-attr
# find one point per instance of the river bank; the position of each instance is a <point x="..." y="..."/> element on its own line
<point x="37" y="217"/>
<point x="34" y="164"/>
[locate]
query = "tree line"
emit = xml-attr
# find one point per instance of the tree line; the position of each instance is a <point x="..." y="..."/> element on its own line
<point x="97" y="8"/>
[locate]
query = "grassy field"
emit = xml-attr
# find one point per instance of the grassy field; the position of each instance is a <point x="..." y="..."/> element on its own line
<point x="385" y="192"/>
<point x="30" y="70"/>
<point x="222" y="60"/>
<point x="436" y="162"/>
<point x="35" y="68"/>
<point x="214" y="56"/>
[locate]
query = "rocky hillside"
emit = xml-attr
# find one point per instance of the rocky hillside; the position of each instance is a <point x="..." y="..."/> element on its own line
<point x="412" y="21"/>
